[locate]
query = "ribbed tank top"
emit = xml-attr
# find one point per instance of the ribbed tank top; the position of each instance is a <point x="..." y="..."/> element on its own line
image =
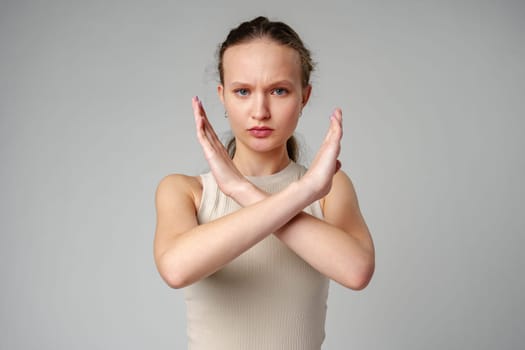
<point x="268" y="297"/>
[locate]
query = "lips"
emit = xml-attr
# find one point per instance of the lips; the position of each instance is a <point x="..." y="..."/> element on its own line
<point x="260" y="131"/>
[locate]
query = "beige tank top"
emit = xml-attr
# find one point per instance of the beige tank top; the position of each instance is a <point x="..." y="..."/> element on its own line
<point x="268" y="297"/>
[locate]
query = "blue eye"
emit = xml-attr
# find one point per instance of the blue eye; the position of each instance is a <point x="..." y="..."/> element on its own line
<point x="280" y="91"/>
<point x="241" y="92"/>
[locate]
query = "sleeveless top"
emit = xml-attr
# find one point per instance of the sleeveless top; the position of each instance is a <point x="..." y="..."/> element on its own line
<point x="266" y="298"/>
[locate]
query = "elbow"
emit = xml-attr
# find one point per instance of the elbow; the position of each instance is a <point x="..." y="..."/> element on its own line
<point x="174" y="280"/>
<point x="174" y="277"/>
<point x="358" y="279"/>
<point x="363" y="279"/>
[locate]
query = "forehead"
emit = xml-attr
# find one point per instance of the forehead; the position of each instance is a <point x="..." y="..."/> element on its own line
<point x="261" y="59"/>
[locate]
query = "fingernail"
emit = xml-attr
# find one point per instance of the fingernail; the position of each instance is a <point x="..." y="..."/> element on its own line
<point x="196" y="98"/>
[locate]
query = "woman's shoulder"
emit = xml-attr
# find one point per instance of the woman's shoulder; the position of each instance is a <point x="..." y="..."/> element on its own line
<point x="179" y="186"/>
<point x="342" y="194"/>
<point x="181" y="181"/>
<point x="342" y="187"/>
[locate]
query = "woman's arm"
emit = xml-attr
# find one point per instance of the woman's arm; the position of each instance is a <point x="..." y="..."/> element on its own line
<point x="186" y="251"/>
<point x="340" y="247"/>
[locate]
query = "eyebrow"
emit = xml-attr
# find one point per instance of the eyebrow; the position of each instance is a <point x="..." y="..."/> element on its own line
<point x="275" y="83"/>
<point x="238" y="83"/>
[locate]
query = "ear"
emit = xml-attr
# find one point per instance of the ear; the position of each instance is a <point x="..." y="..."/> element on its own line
<point x="220" y="92"/>
<point x="307" y="90"/>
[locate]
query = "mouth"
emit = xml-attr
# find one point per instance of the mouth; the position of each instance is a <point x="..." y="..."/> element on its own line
<point x="260" y="128"/>
<point x="260" y="131"/>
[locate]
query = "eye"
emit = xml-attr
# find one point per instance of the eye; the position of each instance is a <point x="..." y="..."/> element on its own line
<point x="241" y="92"/>
<point x="280" y="91"/>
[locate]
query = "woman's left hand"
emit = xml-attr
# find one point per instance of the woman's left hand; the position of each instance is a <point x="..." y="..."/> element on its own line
<point x="228" y="177"/>
<point x="325" y="164"/>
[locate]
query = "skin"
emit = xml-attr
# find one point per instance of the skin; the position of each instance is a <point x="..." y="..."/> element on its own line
<point x="262" y="80"/>
<point x="262" y="87"/>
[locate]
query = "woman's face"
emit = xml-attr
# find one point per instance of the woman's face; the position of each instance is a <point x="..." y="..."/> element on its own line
<point x="262" y="93"/>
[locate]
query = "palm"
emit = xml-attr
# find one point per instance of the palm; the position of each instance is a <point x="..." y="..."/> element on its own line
<point x="325" y="163"/>
<point x="226" y="174"/>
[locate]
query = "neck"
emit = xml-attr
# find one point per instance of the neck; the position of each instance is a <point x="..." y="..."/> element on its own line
<point x="260" y="164"/>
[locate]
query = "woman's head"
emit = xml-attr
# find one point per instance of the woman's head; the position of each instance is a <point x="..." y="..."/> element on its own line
<point x="264" y="71"/>
<point x="262" y="28"/>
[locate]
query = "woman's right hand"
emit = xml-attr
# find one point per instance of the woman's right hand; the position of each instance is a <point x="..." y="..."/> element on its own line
<point x="319" y="176"/>
<point x="228" y="177"/>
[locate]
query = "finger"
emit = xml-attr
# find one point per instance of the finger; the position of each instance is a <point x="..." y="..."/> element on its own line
<point x="195" y="104"/>
<point x="337" y="122"/>
<point x="203" y="126"/>
<point x="213" y="138"/>
<point x="199" y="115"/>
<point x="334" y="130"/>
<point x="210" y="131"/>
<point x="338" y="113"/>
<point x="206" y="133"/>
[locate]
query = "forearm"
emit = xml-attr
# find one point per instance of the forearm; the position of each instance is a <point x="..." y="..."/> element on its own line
<point x="327" y="248"/>
<point x="330" y="250"/>
<point x="205" y="248"/>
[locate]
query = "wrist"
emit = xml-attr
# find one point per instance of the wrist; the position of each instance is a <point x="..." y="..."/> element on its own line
<point x="310" y="188"/>
<point x="247" y="193"/>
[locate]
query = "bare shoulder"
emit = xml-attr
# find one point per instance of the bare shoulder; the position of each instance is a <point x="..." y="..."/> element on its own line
<point x="341" y="179"/>
<point x="342" y="192"/>
<point x="176" y="201"/>
<point x="176" y="187"/>
<point x="341" y="206"/>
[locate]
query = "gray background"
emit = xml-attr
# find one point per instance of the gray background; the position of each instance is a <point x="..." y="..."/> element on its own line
<point x="95" y="110"/>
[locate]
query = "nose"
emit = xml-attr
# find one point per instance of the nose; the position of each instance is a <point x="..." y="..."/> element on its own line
<point x="261" y="109"/>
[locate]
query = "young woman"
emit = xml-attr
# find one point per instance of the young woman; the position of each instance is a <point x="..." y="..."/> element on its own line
<point x="255" y="241"/>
